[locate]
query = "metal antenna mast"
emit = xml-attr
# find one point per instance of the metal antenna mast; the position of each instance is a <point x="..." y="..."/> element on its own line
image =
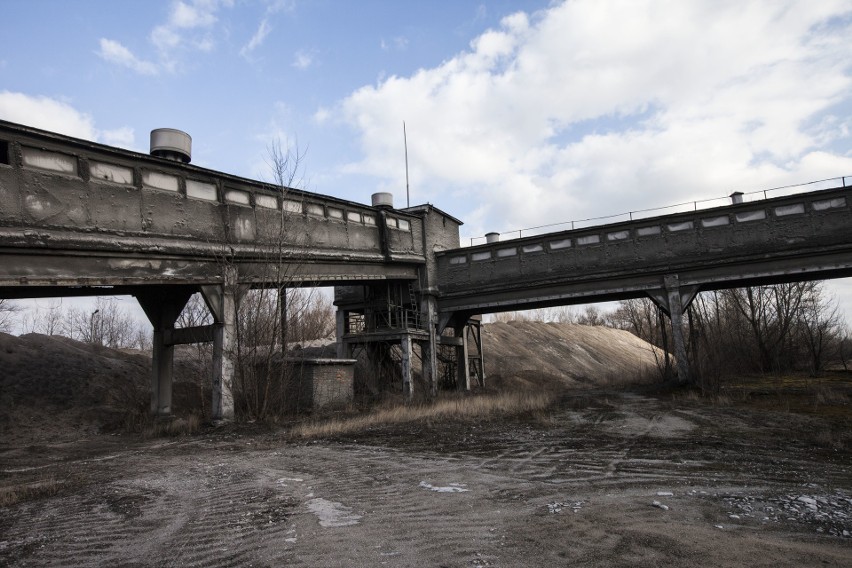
<point x="405" y="141"/>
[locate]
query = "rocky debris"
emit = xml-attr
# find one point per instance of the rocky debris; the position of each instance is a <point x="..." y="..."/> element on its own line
<point x="659" y="505"/>
<point x="828" y="513"/>
<point x="557" y="507"/>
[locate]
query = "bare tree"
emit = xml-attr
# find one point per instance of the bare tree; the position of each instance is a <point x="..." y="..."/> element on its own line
<point x="107" y="324"/>
<point x="268" y="315"/>
<point x="8" y="315"/>
<point x="776" y="328"/>
<point x="820" y="329"/>
<point x="49" y="320"/>
<point x="592" y="315"/>
<point x="638" y="316"/>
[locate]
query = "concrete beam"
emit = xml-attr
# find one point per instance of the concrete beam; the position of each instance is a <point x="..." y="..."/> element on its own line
<point x="189" y="335"/>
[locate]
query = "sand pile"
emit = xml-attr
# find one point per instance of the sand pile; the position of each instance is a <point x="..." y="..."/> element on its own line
<point x="564" y="354"/>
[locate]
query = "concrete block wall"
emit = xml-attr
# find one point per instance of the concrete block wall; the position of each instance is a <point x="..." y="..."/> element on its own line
<point x="321" y="383"/>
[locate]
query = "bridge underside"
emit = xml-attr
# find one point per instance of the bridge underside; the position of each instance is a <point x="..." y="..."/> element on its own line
<point x="617" y="285"/>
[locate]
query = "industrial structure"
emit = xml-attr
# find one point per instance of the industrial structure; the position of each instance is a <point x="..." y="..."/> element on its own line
<point x="79" y="218"/>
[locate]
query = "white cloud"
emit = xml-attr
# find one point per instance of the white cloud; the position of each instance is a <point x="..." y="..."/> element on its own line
<point x="303" y="59"/>
<point x="594" y="107"/>
<point x="59" y="116"/>
<point x="195" y="15"/>
<point x="257" y="39"/>
<point x="189" y="26"/>
<point x="47" y="114"/>
<point x="114" y="52"/>
<point x="400" y="43"/>
<point x="123" y="137"/>
<point x="322" y="115"/>
<point x="185" y="22"/>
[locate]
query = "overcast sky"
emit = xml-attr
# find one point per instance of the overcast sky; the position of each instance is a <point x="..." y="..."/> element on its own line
<point x="518" y="113"/>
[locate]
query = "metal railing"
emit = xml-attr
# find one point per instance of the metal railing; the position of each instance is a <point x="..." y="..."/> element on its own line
<point x="685" y="207"/>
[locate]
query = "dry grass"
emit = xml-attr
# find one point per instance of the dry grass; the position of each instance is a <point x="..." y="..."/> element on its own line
<point x="30" y="491"/>
<point x="480" y="407"/>
<point x="171" y="427"/>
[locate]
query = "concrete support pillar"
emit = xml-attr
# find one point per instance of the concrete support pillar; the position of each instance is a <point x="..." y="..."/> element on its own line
<point x="340" y="331"/>
<point x="162" y="368"/>
<point x="407" y="383"/>
<point x="163" y="305"/>
<point x="222" y="301"/>
<point x="676" y="309"/>
<point x="462" y="360"/>
<point x="430" y="360"/>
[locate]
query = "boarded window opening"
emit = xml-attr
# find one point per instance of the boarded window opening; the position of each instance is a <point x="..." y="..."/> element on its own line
<point x="588" y="240"/>
<point x="795" y="209"/>
<point x="648" y="231"/>
<point x="747" y="216"/>
<point x="715" y="221"/>
<point x="829" y="204"/>
<point x="682" y="226"/>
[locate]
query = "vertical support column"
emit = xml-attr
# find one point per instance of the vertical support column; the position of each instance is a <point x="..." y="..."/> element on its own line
<point x="222" y="301"/>
<point x="162" y="369"/>
<point x="676" y="317"/>
<point x="430" y="361"/>
<point x="407" y="383"/>
<point x="340" y="331"/>
<point x="462" y="361"/>
<point x="163" y="305"/>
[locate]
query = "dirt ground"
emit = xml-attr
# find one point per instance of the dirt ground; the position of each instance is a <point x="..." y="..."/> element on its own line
<point x="603" y="479"/>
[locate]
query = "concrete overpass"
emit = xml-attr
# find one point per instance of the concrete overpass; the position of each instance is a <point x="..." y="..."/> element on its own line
<point x="79" y="218"/>
<point x="667" y="258"/>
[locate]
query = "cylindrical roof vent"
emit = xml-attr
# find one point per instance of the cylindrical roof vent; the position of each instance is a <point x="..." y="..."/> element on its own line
<point x="492" y="237"/>
<point x="383" y="199"/>
<point x="171" y="144"/>
<point x="737" y="197"/>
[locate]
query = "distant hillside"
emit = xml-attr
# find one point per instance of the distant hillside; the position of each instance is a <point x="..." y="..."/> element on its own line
<point x="55" y="388"/>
